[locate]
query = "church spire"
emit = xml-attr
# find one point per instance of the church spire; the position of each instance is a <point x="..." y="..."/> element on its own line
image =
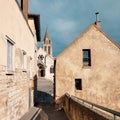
<point x="47" y="39"/>
<point x="47" y="44"/>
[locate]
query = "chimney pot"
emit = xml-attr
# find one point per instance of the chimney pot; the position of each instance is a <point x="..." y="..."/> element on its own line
<point x="97" y="22"/>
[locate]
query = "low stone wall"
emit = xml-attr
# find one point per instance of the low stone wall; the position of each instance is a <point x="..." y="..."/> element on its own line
<point x="35" y="114"/>
<point x="77" y="111"/>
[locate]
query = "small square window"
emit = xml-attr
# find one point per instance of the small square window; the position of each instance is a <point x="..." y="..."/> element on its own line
<point x="86" y="57"/>
<point x="78" y="84"/>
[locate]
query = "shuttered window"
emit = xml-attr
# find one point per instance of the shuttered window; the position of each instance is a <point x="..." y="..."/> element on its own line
<point x="24" y="60"/>
<point x="9" y="56"/>
<point x="30" y="67"/>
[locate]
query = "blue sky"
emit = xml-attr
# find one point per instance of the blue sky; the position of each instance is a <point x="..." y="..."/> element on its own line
<point x="66" y="19"/>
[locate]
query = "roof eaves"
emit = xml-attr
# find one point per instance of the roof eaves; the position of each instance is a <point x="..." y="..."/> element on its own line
<point x="37" y="24"/>
<point x="106" y="36"/>
<point x="24" y="17"/>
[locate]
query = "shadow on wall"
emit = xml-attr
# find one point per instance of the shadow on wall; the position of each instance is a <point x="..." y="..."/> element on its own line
<point x="35" y="89"/>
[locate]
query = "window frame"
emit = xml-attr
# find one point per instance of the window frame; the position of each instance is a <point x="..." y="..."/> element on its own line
<point x="78" y="84"/>
<point x="10" y="66"/>
<point x="86" y="57"/>
<point x="31" y="75"/>
<point x="52" y="69"/>
<point x="24" y="59"/>
<point x="49" y="50"/>
<point x="45" y="48"/>
<point x="9" y="56"/>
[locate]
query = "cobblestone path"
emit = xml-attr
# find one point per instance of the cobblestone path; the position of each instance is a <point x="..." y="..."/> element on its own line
<point x="44" y="99"/>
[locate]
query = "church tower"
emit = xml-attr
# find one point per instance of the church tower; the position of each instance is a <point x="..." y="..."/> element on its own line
<point x="47" y="43"/>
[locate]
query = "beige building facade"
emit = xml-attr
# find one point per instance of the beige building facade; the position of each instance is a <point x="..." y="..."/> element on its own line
<point x="17" y="60"/>
<point x="92" y="69"/>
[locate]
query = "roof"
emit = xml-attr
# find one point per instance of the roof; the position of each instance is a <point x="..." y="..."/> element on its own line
<point x="47" y="34"/>
<point x="107" y="36"/>
<point x="47" y="39"/>
<point x="84" y="32"/>
<point x="37" y="24"/>
<point x="24" y="16"/>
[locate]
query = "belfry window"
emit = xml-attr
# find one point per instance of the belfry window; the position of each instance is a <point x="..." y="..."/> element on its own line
<point x="45" y="48"/>
<point x="49" y="50"/>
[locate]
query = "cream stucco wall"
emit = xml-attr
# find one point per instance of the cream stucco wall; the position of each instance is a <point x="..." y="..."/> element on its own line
<point x="15" y="89"/>
<point x="101" y="80"/>
<point x="32" y="26"/>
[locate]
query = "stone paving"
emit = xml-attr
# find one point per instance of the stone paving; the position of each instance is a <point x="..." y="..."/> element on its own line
<point x="52" y="113"/>
<point x="44" y="100"/>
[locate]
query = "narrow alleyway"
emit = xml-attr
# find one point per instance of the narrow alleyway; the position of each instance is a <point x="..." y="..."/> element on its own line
<point x="45" y="98"/>
<point x="44" y="90"/>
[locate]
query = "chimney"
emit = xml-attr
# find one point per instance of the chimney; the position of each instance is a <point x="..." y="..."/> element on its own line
<point x="24" y="7"/>
<point x="97" y="22"/>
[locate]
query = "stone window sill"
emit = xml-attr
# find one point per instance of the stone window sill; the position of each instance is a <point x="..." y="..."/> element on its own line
<point x="78" y="91"/>
<point x="24" y="70"/>
<point x="86" y="67"/>
<point x="10" y="72"/>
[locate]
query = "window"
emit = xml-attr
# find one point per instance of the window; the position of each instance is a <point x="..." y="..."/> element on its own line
<point x="45" y="48"/>
<point x="30" y="67"/>
<point x="52" y="69"/>
<point x="24" y="60"/>
<point x="49" y="50"/>
<point x="40" y="57"/>
<point x="9" y="56"/>
<point x="78" y="84"/>
<point x="86" y="57"/>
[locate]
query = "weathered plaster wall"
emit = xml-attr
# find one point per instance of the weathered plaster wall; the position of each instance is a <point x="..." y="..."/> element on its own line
<point x="32" y="26"/>
<point x="16" y="95"/>
<point x="100" y="81"/>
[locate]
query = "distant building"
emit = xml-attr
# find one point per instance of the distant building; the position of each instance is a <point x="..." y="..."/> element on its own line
<point x="19" y="34"/>
<point x="89" y="68"/>
<point x="45" y="58"/>
<point x="47" y="43"/>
